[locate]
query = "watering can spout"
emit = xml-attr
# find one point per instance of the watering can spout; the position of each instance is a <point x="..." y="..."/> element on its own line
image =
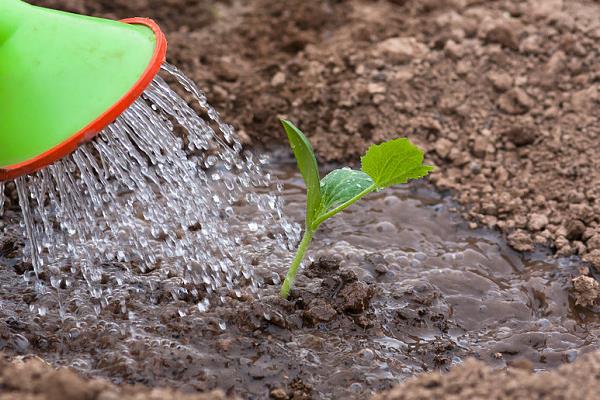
<point x="64" y="78"/>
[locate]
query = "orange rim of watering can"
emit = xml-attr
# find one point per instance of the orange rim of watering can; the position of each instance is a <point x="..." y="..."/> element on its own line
<point x="96" y="126"/>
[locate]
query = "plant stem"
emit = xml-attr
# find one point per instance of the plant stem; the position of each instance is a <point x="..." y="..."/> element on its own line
<point x="288" y="283"/>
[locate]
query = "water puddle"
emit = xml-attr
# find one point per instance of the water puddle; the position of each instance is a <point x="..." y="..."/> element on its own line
<point x="438" y="292"/>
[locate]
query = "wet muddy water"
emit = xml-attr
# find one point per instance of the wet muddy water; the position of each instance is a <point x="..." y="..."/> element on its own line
<point x="399" y="285"/>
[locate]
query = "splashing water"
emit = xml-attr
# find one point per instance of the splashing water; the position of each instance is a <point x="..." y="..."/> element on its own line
<point x="155" y="195"/>
<point x="2" y="199"/>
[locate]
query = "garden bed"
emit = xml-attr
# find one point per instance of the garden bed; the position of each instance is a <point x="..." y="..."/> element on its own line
<point x="500" y="93"/>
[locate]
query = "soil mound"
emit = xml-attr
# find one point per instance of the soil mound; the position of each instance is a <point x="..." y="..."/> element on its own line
<point x="474" y="380"/>
<point x="30" y="378"/>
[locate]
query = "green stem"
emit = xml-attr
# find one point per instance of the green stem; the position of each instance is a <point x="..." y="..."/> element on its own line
<point x="288" y="283"/>
<point x="343" y="206"/>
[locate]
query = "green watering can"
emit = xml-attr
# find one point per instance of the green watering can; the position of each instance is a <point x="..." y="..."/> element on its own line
<point x="64" y="77"/>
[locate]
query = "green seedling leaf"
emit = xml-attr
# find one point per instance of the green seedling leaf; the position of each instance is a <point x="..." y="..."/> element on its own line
<point x="341" y="185"/>
<point x="341" y="188"/>
<point x="307" y="164"/>
<point x="383" y="165"/>
<point x="394" y="162"/>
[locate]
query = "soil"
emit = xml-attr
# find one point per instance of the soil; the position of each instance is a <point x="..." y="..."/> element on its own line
<point x="30" y="378"/>
<point x="502" y="96"/>
<point x="501" y="93"/>
<point x="474" y="380"/>
<point x="398" y="285"/>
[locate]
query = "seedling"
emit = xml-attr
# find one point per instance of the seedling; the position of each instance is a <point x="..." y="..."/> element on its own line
<point x="384" y="165"/>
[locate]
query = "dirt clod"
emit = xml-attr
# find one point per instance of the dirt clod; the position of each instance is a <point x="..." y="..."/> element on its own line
<point x="324" y="266"/>
<point x="537" y="222"/>
<point x="356" y="297"/>
<point x="593" y="257"/>
<point x="319" y="311"/>
<point x="520" y="135"/>
<point x="278" y="394"/>
<point x="586" y="290"/>
<point x="520" y="241"/>
<point x="575" y="229"/>
<point x="500" y="80"/>
<point x="400" y="50"/>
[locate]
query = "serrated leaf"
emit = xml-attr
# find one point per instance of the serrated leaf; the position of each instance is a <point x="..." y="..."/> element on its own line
<point x="307" y="164"/>
<point x="342" y="185"/>
<point x="394" y="162"/>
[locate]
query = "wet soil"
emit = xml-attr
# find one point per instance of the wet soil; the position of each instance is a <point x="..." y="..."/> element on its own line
<point x="31" y="379"/>
<point x="501" y="93"/>
<point x="398" y="285"/>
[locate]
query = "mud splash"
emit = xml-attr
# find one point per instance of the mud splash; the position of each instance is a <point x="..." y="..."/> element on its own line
<point x="398" y="285"/>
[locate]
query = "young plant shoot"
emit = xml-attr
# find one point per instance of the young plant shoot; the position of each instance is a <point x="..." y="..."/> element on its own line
<point x="384" y="165"/>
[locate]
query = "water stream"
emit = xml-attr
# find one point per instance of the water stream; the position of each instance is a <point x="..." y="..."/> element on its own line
<point x="154" y="191"/>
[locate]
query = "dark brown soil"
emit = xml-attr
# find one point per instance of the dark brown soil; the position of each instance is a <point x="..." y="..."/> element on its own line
<point x="502" y="94"/>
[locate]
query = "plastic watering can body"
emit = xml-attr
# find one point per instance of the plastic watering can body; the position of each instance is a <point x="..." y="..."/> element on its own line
<point x="64" y="77"/>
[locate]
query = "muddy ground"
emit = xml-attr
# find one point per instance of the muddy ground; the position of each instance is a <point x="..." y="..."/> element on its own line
<point x="501" y="93"/>
<point x="398" y="285"/>
<point x="32" y="379"/>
